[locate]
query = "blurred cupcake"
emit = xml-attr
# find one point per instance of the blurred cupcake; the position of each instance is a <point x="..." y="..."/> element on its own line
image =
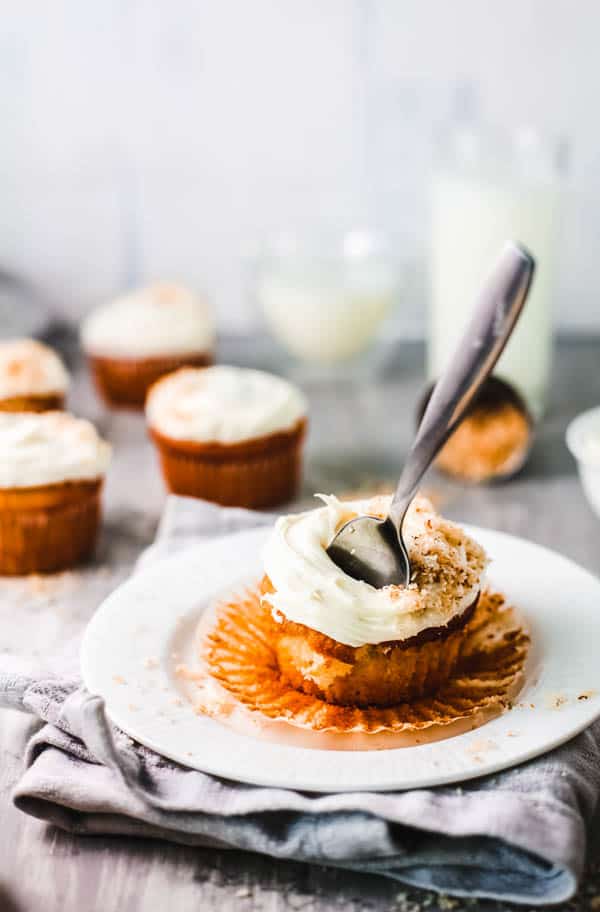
<point x="32" y="377"/>
<point x="493" y="440"/>
<point x="139" y="337"/>
<point x="52" y="467"/>
<point x="340" y="639"/>
<point x="228" y="434"/>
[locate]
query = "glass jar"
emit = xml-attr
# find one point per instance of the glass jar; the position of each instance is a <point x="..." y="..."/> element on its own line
<point x="489" y="187"/>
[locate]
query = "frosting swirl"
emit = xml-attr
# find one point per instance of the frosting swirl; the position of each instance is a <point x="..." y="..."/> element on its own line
<point x="29" y="368"/>
<point x="310" y="589"/>
<point x="223" y="404"/>
<point x="49" y="448"/>
<point x="161" y="319"/>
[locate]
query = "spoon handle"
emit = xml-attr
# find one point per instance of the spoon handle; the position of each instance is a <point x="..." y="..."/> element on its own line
<point x="497" y="309"/>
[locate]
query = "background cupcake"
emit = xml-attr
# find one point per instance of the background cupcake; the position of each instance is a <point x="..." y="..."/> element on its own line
<point x="229" y="434"/>
<point x="139" y="337"/>
<point x="51" y="470"/>
<point x="32" y="377"/>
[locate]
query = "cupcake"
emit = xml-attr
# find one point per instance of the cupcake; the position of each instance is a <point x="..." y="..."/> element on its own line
<point x="139" y="337"/>
<point x="228" y="434"/>
<point x="32" y="377"/>
<point x="493" y="440"/>
<point x="342" y="640"/>
<point x="51" y="471"/>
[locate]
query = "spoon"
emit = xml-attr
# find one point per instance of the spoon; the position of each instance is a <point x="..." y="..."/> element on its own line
<point x="372" y="549"/>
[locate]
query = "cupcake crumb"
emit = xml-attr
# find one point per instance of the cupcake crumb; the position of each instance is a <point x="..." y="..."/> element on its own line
<point x="555" y="700"/>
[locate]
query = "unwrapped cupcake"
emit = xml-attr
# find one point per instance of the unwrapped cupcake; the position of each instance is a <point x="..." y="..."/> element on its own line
<point x="312" y="647"/>
<point x="52" y="466"/>
<point x="228" y="434"/>
<point x="32" y="377"/>
<point x="141" y="336"/>
<point x="342" y="640"/>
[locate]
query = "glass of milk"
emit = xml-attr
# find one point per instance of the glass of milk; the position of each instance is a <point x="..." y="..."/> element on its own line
<point x="487" y="189"/>
<point x="325" y="299"/>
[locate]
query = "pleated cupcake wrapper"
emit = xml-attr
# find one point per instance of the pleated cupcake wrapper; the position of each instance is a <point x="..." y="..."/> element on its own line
<point x="43" y="403"/>
<point x="258" y="480"/>
<point x="46" y="539"/>
<point x="237" y="653"/>
<point x="124" y="382"/>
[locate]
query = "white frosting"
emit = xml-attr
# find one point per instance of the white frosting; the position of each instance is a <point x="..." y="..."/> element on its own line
<point x="149" y="322"/>
<point x="48" y="448"/>
<point x="311" y="590"/>
<point x="28" y="368"/>
<point x="223" y="404"/>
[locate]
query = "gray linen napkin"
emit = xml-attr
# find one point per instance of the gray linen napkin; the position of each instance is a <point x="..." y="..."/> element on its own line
<point x="518" y="836"/>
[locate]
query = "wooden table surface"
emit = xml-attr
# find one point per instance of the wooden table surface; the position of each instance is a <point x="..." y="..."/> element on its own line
<point x="359" y="435"/>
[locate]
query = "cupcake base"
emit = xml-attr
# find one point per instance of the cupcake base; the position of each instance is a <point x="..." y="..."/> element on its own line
<point x="238" y="654"/>
<point x="48" y="528"/>
<point x="124" y="382"/>
<point x="263" y="472"/>
<point x="47" y="403"/>
<point x="381" y="675"/>
<point x="372" y="675"/>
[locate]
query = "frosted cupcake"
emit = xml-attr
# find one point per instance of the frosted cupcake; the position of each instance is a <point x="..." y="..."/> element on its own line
<point x="51" y="470"/>
<point x="139" y="337"/>
<point x="228" y="434"/>
<point x="350" y="644"/>
<point x="32" y="377"/>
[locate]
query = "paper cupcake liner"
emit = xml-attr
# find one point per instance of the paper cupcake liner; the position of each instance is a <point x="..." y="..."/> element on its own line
<point x="48" y="528"/>
<point x="124" y="382"/>
<point x="238" y="653"/>
<point x="263" y="472"/>
<point x="47" y="403"/>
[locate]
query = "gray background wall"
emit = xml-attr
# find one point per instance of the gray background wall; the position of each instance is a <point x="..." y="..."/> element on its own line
<point x="165" y="138"/>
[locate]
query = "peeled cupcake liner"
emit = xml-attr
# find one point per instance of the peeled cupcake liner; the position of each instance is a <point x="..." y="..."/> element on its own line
<point x="47" y="402"/>
<point x="258" y="473"/>
<point x="238" y="654"/>
<point x="48" y="528"/>
<point x="124" y="382"/>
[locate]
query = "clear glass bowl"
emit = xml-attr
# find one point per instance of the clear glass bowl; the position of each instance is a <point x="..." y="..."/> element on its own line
<point x="326" y="299"/>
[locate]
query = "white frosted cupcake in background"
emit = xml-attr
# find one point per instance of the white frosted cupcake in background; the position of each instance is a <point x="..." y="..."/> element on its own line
<point x="229" y="434"/>
<point x="139" y="337"/>
<point x="32" y="377"/>
<point x="52" y="466"/>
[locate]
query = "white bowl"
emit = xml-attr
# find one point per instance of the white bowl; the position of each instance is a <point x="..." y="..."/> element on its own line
<point x="581" y="431"/>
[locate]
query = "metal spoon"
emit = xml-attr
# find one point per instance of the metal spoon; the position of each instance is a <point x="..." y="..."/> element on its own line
<point x="372" y="549"/>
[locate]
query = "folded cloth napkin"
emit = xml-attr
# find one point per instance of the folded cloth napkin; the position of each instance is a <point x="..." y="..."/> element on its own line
<point x="518" y="836"/>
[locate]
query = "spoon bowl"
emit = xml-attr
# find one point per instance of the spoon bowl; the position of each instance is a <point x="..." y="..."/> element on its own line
<point x="369" y="549"/>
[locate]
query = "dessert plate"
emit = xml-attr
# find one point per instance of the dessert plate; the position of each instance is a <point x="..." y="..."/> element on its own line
<point x="145" y="630"/>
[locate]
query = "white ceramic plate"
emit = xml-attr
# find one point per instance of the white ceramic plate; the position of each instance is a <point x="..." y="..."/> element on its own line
<point x="146" y="627"/>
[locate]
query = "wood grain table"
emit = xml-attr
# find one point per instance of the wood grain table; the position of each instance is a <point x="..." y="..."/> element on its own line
<point x="359" y="434"/>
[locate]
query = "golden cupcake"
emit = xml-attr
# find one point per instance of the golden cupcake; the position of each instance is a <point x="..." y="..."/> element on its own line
<point x="493" y="440"/>
<point x="340" y="639"/>
<point x="228" y="434"/>
<point x="139" y="337"/>
<point x="32" y="377"/>
<point x="52" y="467"/>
